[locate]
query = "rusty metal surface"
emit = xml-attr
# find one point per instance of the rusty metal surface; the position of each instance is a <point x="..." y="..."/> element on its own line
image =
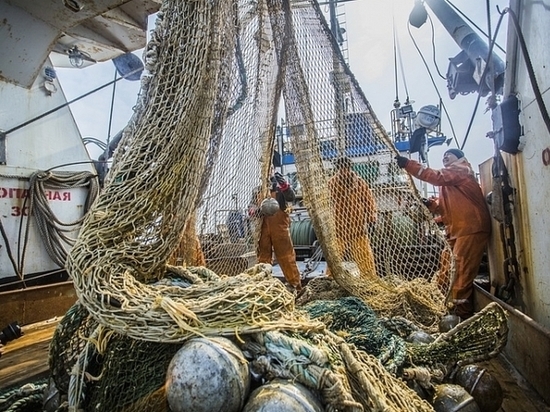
<point x="36" y="304"/>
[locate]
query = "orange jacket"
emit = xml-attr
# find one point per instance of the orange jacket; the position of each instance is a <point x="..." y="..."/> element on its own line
<point x="353" y="202"/>
<point x="462" y="206"/>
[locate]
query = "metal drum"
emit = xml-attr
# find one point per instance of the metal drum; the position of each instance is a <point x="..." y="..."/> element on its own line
<point x="283" y="396"/>
<point x="207" y="375"/>
<point x="302" y="233"/>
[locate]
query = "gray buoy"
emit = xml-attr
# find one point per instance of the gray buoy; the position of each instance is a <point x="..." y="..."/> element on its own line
<point x="448" y="322"/>
<point x="453" y="398"/>
<point x="420" y="337"/>
<point x="207" y="375"/>
<point x="283" y="396"/>
<point x="483" y="387"/>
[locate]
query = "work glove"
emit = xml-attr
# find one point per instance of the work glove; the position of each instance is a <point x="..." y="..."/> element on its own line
<point x="273" y="184"/>
<point x="280" y="178"/>
<point x="254" y="211"/>
<point x="281" y="181"/>
<point x="401" y="161"/>
<point x="426" y="202"/>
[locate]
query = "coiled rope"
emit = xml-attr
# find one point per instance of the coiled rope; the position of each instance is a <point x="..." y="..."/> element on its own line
<point x="54" y="232"/>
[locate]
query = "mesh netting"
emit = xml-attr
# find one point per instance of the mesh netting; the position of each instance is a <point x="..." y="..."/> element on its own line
<point x="200" y="143"/>
<point x="203" y="135"/>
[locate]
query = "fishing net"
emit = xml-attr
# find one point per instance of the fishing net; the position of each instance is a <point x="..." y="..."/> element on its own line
<point x="201" y="139"/>
<point x="200" y="144"/>
<point x="355" y="365"/>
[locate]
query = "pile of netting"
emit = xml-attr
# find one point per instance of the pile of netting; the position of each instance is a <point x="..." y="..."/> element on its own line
<point x="201" y="140"/>
<point x="360" y="362"/>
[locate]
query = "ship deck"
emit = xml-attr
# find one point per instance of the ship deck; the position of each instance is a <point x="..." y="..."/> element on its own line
<point x="26" y="359"/>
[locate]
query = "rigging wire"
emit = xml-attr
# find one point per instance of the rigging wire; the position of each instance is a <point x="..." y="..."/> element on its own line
<point x="433" y="49"/>
<point x="398" y="62"/>
<point x="92" y="140"/>
<point x="111" y="110"/>
<point x="55" y="109"/>
<point x="402" y="70"/>
<point x="469" y="129"/>
<point x="482" y="80"/>
<point x="396" y="102"/>
<point x="489" y="29"/>
<point x="434" y="84"/>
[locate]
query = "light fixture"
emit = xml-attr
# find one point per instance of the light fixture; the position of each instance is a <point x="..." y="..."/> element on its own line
<point x="72" y="5"/>
<point x="418" y="15"/>
<point x="76" y="58"/>
<point x="405" y="109"/>
<point x="49" y="77"/>
<point x="49" y="73"/>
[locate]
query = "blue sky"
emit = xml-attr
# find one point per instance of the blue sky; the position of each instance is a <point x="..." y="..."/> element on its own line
<point x="369" y="30"/>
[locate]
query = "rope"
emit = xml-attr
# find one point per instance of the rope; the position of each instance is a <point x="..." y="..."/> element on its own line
<point x="53" y="231"/>
<point x="23" y="398"/>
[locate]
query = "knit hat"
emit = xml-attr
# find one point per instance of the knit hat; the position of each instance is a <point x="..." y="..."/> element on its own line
<point x="342" y="162"/>
<point x="457" y="152"/>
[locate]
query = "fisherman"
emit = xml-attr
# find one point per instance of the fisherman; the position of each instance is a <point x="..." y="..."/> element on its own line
<point x="275" y="230"/>
<point x="354" y="209"/>
<point x="466" y="217"/>
<point x="189" y="251"/>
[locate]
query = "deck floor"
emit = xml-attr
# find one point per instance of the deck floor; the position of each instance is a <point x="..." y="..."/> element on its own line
<point x="27" y="357"/>
<point x="518" y="394"/>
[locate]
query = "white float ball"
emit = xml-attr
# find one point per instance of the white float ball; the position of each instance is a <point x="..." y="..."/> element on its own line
<point x="207" y="375"/>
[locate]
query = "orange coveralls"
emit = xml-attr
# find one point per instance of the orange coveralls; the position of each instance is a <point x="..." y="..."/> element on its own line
<point x="467" y="221"/>
<point x="275" y="237"/>
<point x="354" y="207"/>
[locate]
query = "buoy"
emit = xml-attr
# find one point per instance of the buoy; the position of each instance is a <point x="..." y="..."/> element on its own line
<point x="420" y="391"/>
<point x="483" y="387"/>
<point x="269" y="206"/>
<point x="453" y="398"/>
<point x="420" y="337"/>
<point x="283" y="396"/>
<point x="448" y="322"/>
<point x="207" y="375"/>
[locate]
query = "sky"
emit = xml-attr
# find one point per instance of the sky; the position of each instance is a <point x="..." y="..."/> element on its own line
<point x="371" y="57"/>
<point x="370" y="27"/>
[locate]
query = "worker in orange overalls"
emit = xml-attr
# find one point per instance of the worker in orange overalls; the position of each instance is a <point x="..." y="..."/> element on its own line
<point x="189" y="251"/>
<point x="354" y="209"/>
<point x="466" y="217"/>
<point x="275" y="230"/>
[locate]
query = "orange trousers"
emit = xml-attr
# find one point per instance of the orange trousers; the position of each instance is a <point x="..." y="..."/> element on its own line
<point x="468" y="251"/>
<point x="359" y="251"/>
<point x="275" y="237"/>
